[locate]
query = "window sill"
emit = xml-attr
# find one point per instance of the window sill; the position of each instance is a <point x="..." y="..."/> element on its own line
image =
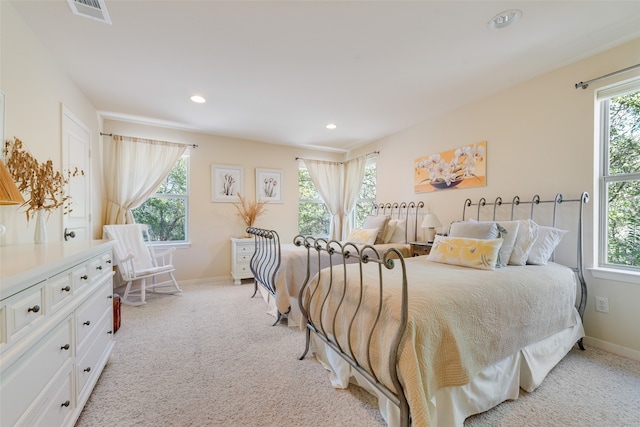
<point x="166" y="245"/>
<point x="617" y="275"/>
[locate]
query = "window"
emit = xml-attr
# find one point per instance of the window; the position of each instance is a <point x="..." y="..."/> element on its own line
<point x="313" y="216"/>
<point x="166" y="211"/>
<point x="620" y="177"/>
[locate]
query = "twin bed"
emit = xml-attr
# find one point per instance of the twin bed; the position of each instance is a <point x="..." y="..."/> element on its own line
<point x="441" y="337"/>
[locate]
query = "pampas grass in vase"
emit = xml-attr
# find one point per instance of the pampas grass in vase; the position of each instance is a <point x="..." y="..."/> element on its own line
<point x="249" y="211"/>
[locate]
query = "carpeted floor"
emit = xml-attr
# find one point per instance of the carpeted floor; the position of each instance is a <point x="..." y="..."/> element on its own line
<point x="210" y="357"/>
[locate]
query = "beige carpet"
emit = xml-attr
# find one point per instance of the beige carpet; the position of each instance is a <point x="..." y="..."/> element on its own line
<point x="209" y="357"/>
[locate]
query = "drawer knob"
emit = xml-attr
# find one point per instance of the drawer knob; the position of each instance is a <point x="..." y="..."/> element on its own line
<point x="35" y="309"/>
<point x="85" y="277"/>
<point x="66" y="404"/>
<point x="87" y="323"/>
<point x="65" y="347"/>
<point x="87" y="369"/>
<point x="66" y="289"/>
<point x="109" y="296"/>
<point x="99" y="267"/>
<point x="109" y="332"/>
<point x="108" y="261"/>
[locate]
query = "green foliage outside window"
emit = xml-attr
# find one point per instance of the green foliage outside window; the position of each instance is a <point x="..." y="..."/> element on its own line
<point x="165" y="212"/>
<point x="623" y="192"/>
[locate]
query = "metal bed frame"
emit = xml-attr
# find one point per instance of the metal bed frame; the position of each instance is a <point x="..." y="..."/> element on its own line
<point x="389" y="259"/>
<point x="267" y="257"/>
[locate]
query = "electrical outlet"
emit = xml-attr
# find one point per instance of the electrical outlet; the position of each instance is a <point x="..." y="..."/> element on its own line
<point x="602" y="304"/>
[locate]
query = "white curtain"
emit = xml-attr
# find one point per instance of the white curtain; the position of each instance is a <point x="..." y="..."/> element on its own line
<point x="339" y="185"/>
<point x="134" y="168"/>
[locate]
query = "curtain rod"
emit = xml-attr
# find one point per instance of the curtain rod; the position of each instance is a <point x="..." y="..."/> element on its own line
<point x="584" y="85"/>
<point x="368" y="154"/>
<point x="135" y="137"/>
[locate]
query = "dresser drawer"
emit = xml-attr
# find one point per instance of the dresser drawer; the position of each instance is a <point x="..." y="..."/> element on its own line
<point x="244" y="258"/>
<point x="91" y="311"/>
<point x="25" y="309"/>
<point x="80" y="277"/>
<point x="243" y="250"/>
<point x="243" y="269"/>
<point x="23" y="381"/>
<point x="87" y="367"/>
<point x="55" y="409"/>
<point x="59" y="290"/>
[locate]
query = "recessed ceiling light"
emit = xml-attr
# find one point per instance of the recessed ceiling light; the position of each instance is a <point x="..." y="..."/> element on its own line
<point x="331" y="126"/>
<point x="504" y="19"/>
<point x="198" y="99"/>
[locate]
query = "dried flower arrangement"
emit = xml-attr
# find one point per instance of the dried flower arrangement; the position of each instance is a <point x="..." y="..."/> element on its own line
<point x="249" y="211"/>
<point x="44" y="185"/>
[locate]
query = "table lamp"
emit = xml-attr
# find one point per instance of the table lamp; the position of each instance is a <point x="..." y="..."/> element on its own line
<point x="9" y="193"/>
<point x="430" y="222"/>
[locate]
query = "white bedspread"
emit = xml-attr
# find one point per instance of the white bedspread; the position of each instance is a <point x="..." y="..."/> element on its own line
<point x="461" y="320"/>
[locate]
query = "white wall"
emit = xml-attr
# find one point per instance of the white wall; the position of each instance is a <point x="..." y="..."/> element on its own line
<point x="213" y="224"/>
<point x="36" y="89"/>
<point x="540" y="140"/>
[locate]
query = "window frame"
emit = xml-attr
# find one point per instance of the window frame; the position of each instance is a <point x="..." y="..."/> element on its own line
<point x="177" y="243"/>
<point x="603" y="268"/>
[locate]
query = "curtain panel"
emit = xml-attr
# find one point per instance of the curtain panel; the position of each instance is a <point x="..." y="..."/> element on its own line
<point x="339" y="185"/>
<point x="134" y="168"/>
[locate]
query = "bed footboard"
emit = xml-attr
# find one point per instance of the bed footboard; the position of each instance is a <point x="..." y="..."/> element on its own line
<point x="265" y="262"/>
<point x="311" y="293"/>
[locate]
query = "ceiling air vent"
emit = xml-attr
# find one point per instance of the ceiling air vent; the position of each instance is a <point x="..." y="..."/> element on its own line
<point x="94" y="9"/>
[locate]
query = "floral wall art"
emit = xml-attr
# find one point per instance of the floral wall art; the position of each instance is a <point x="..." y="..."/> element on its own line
<point x="462" y="167"/>
<point x="269" y="185"/>
<point x="226" y="183"/>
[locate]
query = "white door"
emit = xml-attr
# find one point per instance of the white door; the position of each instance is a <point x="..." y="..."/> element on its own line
<point x="76" y="152"/>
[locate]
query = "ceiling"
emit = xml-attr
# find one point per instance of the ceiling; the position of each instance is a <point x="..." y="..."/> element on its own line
<point x="279" y="71"/>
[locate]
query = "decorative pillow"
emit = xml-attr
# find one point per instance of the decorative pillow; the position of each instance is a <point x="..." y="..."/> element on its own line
<point x="388" y="231"/>
<point x="508" y="231"/>
<point x="363" y="236"/>
<point x="527" y="233"/>
<point x="400" y="233"/>
<point x="376" y="221"/>
<point x="474" y="230"/>
<point x="466" y="252"/>
<point x="546" y="242"/>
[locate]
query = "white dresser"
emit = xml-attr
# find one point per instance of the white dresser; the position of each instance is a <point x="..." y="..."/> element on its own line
<point x="56" y="321"/>
<point x="241" y="252"/>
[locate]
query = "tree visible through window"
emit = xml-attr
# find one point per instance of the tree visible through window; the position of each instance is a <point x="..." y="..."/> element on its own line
<point x="620" y="180"/>
<point x="165" y="212"/>
<point x="314" y="218"/>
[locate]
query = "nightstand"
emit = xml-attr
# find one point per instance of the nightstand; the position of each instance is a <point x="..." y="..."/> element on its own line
<point x="420" y="248"/>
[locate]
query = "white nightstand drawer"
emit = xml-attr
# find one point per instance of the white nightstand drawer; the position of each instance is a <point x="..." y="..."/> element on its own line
<point x="245" y="250"/>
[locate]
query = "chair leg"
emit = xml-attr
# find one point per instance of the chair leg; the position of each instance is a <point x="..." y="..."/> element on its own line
<point x="143" y="286"/>
<point x="125" y="298"/>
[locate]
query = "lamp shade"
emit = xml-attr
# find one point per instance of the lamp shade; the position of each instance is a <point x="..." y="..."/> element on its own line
<point x="9" y="193"/>
<point x="430" y="221"/>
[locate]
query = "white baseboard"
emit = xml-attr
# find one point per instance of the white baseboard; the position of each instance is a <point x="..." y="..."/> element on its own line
<point x="216" y="280"/>
<point x="613" y="348"/>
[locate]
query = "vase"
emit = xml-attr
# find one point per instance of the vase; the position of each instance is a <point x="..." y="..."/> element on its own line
<point x="40" y="235"/>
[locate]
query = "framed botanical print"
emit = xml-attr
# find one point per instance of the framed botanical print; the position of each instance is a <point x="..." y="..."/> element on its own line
<point x="226" y="182"/>
<point x="269" y="185"/>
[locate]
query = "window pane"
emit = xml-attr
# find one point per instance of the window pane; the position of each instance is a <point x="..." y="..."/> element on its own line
<point x="165" y="217"/>
<point x="623" y="224"/>
<point x="313" y="219"/>
<point x="176" y="181"/>
<point x="624" y="134"/>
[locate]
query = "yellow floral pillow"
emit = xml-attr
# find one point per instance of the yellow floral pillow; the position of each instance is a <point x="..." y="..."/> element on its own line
<point x="363" y="236"/>
<point x="466" y="252"/>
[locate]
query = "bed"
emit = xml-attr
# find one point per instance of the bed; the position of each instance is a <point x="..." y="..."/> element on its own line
<point x="280" y="269"/>
<point x="441" y="337"/>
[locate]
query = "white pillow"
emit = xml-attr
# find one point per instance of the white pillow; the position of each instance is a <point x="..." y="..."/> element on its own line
<point x="527" y="233"/>
<point x="546" y="242"/>
<point x="399" y="234"/>
<point x="508" y="231"/>
<point x="474" y="230"/>
<point x="388" y="231"/>
<point x="376" y="221"/>
<point x="363" y="236"/>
